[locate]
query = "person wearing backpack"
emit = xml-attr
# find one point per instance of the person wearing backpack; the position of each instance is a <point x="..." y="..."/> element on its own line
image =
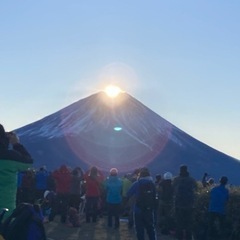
<point x="13" y="158"/>
<point x="184" y="187"/>
<point x="25" y="223"/>
<point x="144" y="192"/>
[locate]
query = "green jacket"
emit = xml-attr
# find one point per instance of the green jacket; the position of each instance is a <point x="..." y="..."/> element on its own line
<point x="11" y="162"/>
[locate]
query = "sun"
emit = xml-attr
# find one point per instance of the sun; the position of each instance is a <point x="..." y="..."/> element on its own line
<point x="112" y="91"/>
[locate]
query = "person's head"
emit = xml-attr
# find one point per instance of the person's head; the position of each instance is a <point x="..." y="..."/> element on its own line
<point x="167" y="176"/>
<point x="210" y="181"/>
<point x="75" y="172"/>
<point x="144" y="172"/>
<point x="128" y="176"/>
<point x="93" y="171"/>
<point x="113" y="172"/>
<point x="184" y="170"/>
<point x="63" y="169"/>
<point x="136" y="172"/>
<point x="223" y="180"/>
<point x="43" y="168"/>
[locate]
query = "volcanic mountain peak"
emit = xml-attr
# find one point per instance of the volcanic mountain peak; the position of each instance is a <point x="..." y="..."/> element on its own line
<point x="121" y="133"/>
<point x="98" y="111"/>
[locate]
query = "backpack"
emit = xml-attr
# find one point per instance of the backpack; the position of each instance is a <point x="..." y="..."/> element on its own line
<point x="25" y="223"/>
<point x="146" y="199"/>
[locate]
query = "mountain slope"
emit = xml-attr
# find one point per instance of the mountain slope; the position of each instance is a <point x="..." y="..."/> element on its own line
<point x="120" y="133"/>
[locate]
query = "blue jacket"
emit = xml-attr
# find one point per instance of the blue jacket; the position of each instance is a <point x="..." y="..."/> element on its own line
<point x="113" y="187"/>
<point x="41" y="179"/>
<point x="219" y="196"/>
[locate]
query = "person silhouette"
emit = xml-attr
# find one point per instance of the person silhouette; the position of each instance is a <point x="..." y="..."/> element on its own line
<point x="184" y="187"/>
<point x="11" y="162"/>
<point x="219" y="196"/>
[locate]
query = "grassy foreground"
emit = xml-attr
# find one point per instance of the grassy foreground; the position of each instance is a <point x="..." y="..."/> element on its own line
<point x="91" y="231"/>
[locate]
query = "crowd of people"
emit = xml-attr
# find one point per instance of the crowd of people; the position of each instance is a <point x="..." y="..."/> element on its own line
<point x="165" y="202"/>
<point x="67" y="192"/>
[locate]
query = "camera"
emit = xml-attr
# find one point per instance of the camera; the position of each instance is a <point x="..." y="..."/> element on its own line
<point x="12" y="136"/>
<point x="9" y="134"/>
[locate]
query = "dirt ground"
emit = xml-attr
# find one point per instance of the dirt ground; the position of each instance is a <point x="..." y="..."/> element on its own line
<point x="94" y="231"/>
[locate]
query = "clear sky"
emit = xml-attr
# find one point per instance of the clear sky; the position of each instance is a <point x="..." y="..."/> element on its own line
<point x="179" y="58"/>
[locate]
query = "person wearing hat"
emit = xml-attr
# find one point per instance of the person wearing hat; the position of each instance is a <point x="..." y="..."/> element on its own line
<point x="113" y="186"/>
<point x="184" y="188"/>
<point x="12" y="161"/>
<point x="219" y="196"/>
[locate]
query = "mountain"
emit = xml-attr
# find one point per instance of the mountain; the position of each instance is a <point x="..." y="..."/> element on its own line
<point x="122" y="133"/>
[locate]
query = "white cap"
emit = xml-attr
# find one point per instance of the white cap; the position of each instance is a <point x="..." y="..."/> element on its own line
<point x="167" y="176"/>
<point x="113" y="171"/>
<point x="46" y="193"/>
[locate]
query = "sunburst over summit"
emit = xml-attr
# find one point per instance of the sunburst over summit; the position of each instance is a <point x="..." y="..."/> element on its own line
<point x="112" y="91"/>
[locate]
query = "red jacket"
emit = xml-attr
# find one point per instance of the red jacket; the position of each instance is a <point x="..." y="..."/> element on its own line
<point x="93" y="185"/>
<point x="63" y="179"/>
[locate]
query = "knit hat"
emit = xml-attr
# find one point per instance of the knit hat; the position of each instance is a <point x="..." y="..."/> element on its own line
<point x="46" y="193"/>
<point x="113" y="171"/>
<point x="167" y="176"/>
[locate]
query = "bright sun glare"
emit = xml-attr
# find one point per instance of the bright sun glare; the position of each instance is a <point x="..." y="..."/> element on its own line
<point x="112" y="91"/>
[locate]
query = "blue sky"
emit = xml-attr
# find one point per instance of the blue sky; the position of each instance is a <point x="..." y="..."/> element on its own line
<point x="179" y="58"/>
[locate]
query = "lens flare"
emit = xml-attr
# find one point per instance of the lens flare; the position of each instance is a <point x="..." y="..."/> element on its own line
<point x="117" y="129"/>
